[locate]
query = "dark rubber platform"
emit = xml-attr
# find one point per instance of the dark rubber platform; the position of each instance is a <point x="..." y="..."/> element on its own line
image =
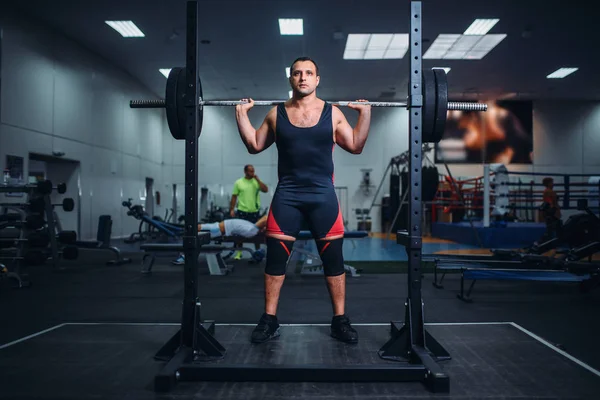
<point x="115" y="361"/>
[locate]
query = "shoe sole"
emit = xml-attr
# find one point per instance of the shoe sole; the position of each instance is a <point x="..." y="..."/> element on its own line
<point x="273" y="336"/>
<point x="352" y="341"/>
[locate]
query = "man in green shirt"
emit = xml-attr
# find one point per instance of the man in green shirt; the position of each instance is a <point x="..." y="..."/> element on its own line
<point x="246" y="193"/>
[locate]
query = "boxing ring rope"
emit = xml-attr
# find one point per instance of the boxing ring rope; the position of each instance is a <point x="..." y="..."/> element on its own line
<point x="495" y="194"/>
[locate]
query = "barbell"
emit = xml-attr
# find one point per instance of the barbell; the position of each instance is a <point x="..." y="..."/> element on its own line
<point x="435" y="104"/>
<point x="42" y="187"/>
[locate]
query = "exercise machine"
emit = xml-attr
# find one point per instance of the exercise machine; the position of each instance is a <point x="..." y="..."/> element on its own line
<point x="157" y="229"/>
<point x="102" y="242"/>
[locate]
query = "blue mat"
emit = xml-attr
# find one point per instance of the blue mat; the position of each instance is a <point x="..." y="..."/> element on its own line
<point x="513" y="235"/>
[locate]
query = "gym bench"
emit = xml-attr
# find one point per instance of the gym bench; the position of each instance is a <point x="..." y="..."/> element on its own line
<point x="216" y="265"/>
<point x="474" y="274"/>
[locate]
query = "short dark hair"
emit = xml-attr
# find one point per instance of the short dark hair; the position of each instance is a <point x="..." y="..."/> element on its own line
<point x="547" y="181"/>
<point x="246" y="167"/>
<point x="304" y="59"/>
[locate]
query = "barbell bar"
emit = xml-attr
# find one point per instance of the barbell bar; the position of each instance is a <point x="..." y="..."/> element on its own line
<point x="452" y="105"/>
<point x="434" y="104"/>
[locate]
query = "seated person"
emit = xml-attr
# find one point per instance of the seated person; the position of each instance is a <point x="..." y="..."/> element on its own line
<point x="230" y="227"/>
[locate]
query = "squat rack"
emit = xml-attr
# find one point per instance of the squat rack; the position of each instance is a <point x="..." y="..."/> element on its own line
<point x="192" y="352"/>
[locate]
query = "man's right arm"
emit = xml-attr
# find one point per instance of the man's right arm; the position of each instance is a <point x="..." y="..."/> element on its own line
<point x="256" y="140"/>
<point x="232" y="205"/>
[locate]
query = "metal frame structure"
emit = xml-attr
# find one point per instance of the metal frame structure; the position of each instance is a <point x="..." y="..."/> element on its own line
<point x="192" y="352"/>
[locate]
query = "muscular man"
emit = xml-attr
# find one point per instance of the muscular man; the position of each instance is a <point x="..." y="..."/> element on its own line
<point x="305" y="130"/>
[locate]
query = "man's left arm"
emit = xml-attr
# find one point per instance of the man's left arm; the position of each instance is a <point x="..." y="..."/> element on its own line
<point x="352" y="140"/>
<point x="262" y="186"/>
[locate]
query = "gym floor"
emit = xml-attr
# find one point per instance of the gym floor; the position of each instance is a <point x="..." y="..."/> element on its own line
<point x="91" y="331"/>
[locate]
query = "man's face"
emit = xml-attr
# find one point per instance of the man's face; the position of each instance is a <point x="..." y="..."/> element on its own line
<point x="303" y="78"/>
<point x="250" y="172"/>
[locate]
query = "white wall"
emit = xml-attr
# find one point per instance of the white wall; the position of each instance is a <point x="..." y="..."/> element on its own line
<point x="57" y="96"/>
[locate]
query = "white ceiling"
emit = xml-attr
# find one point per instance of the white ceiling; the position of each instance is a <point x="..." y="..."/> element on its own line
<point x="247" y="56"/>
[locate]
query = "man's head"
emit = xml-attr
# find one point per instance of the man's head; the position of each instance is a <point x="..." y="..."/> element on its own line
<point x="548" y="182"/>
<point x="249" y="171"/>
<point x="304" y="76"/>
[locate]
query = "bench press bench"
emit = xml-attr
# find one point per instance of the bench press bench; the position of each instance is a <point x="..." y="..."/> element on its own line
<point x="151" y="250"/>
<point x="584" y="273"/>
<point x="474" y="274"/>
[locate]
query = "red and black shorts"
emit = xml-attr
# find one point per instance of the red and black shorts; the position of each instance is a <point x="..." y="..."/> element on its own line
<point x="316" y="210"/>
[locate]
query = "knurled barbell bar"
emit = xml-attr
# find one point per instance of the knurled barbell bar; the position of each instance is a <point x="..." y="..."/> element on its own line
<point x="452" y="105"/>
<point x="435" y="104"/>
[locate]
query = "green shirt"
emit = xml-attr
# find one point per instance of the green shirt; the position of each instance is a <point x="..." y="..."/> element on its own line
<point x="247" y="192"/>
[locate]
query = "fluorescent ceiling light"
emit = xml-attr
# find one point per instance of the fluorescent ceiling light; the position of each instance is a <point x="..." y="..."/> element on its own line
<point x="462" y="47"/>
<point x="287" y="72"/>
<point x="446" y="69"/>
<point x="561" y="73"/>
<point x="126" y="28"/>
<point x="291" y="26"/>
<point x="481" y="26"/>
<point x="375" y="46"/>
<point x="290" y="94"/>
<point x="165" y="71"/>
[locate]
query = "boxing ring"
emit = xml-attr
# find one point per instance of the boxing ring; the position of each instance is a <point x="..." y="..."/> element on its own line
<point x="501" y="208"/>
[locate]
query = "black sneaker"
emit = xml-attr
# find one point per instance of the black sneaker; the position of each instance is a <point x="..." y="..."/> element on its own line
<point x="267" y="329"/>
<point x="342" y="330"/>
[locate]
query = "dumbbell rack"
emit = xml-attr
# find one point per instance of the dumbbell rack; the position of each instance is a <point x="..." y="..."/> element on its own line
<point x="33" y="191"/>
<point x="14" y="272"/>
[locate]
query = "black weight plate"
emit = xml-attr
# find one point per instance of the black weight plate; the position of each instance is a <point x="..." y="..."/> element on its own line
<point x="171" y="104"/>
<point x="441" y="106"/>
<point x="429" y="106"/>
<point x="68" y="204"/>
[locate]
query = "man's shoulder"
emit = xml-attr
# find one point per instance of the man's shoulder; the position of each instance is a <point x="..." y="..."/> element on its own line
<point x="238" y="183"/>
